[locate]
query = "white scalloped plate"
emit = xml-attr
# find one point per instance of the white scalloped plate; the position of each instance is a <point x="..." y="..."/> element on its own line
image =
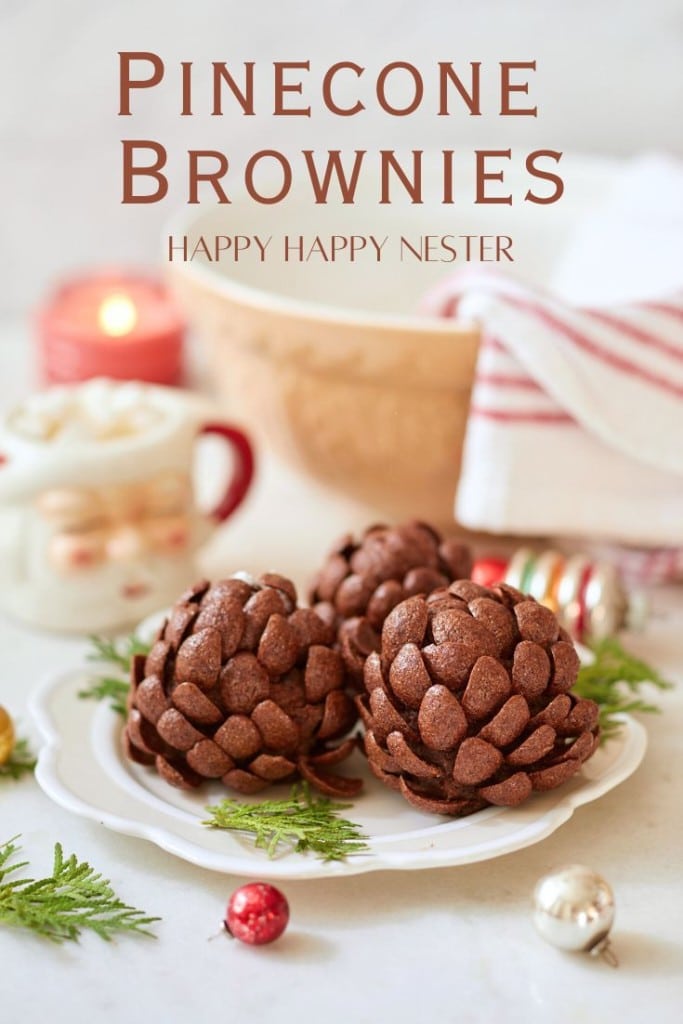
<point x="81" y="767"/>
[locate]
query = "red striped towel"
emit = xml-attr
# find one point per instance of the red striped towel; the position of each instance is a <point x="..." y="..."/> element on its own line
<point x="576" y="419"/>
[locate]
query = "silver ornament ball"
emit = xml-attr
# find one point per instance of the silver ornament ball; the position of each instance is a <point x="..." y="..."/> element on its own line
<point x="574" y="909"/>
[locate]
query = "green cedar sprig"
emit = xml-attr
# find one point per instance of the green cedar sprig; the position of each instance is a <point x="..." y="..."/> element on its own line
<point x="74" y="897"/>
<point x="613" y="681"/>
<point x="303" y="823"/>
<point x="20" y="762"/>
<point x="118" y="655"/>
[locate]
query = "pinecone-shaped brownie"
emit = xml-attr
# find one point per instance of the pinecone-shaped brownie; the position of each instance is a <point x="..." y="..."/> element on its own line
<point x="468" y="702"/>
<point x="361" y="581"/>
<point x="242" y="686"/>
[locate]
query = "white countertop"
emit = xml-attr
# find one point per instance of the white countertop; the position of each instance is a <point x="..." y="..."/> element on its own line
<point x="454" y="944"/>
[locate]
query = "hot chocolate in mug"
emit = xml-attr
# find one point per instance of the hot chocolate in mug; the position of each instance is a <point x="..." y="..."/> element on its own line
<point x="99" y="524"/>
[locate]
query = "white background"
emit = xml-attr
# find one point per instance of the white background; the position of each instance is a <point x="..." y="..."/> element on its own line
<point x="450" y="945"/>
<point x="608" y="81"/>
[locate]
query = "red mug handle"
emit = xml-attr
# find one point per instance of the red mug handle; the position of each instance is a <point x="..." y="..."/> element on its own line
<point x="243" y="472"/>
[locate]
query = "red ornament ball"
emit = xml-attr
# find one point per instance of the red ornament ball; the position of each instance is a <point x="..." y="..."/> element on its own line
<point x="489" y="571"/>
<point x="257" y="914"/>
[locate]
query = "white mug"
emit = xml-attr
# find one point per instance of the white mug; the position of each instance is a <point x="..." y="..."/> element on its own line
<point x="99" y="524"/>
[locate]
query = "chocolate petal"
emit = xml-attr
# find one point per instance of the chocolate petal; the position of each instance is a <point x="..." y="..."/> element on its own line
<point x="177" y="731"/>
<point x="385" y="717"/>
<point x="555" y="713"/>
<point x="324" y="672"/>
<point x="195" y="705"/>
<point x="258" y="610"/>
<point x="208" y="760"/>
<point x="280" y="733"/>
<point x="408" y="760"/>
<point x="534" y="748"/>
<point x="384" y="599"/>
<point x="444" y="622"/>
<point x="278" y="647"/>
<point x="133" y="753"/>
<point x="497" y="619"/>
<point x="243" y="781"/>
<point x="239" y="737"/>
<point x="513" y="791"/>
<point x="389" y="780"/>
<point x="181" y="618"/>
<point x="566" y="665"/>
<point x="405" y="624"/>
<point x="273" y="767"/>
<point x="507" y="595"/>
<point x="144" y="736"/>
<point x="360" y="700"/>
<point x="151" y="699"/>
<point x="372" y="672"/>
<point x="530" y="669"/>
<point x="582" y="718"/>
<point x="536" y="623"/>
<point x="378" y="756"/>
<point x="467" y="590"/>
<point x="330" y="577"/>
<point x="244" y="683"/>
<point x="157" y="658"/>
<point x="509" y="723"/>
<point x="177" y="774"/>
<point x="423" y="580"/>
<point x="582" y="748"/>
<point x="137" y="670"/>
<point x="441" y="720"/>
<point x="433" y="805"/>
<point x="450" y="663"/>
<point x="199" y="659"/>
<point x="352" y="596"/>
<point x="408" y="677"/>
<point x="281" y="583"/>
<point x="195" y="592"/>
<point x="310" y="628"/>
<point x="228" y="592"/>
<point x="461" y="628"/>
<point x="229" y="619"/>
<point x="335" y="755"/>
<point x="329" y="785"/>
<point x="338" y="715"/>
<point x="476" y="761"/>
<point x="554" y="775"/>
<point x="457" y="558"/>
<point x="487" y="688"/>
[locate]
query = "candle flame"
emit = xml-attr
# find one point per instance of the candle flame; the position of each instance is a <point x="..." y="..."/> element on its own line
<point x="117" y="315"/>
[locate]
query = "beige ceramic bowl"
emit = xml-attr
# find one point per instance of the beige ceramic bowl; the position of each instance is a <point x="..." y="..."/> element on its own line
<point x="329" y="363"/>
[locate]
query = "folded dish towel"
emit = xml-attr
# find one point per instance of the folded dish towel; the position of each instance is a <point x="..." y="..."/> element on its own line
<point x="576" y="418"/>
<point x="576" y="421"/>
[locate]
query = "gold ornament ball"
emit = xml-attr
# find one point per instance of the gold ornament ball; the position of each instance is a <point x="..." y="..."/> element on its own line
<point x="6" y="736"/>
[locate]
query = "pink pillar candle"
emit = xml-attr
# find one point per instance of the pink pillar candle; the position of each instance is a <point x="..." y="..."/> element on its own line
<point x="120" y="325"/>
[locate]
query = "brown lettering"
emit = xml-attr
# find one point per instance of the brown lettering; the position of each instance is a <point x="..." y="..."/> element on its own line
<point x="507" y="87"/>
<point x="126" y="83"/>
<point x="130" y="171"/>
<point x="448" y="74"/>
<point x="347" y="187"/>
<point x="413" y="188"/>
<point x="483" y="175"/>
<point x="381" y="88"/>
<point x="282" y="87"/>
<point x="545" y="175"/>
<point x="213" y="177"/>
<point x="327" y="89"/>
<point x="244" y="96"/>
<point x="249" y="176"/>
